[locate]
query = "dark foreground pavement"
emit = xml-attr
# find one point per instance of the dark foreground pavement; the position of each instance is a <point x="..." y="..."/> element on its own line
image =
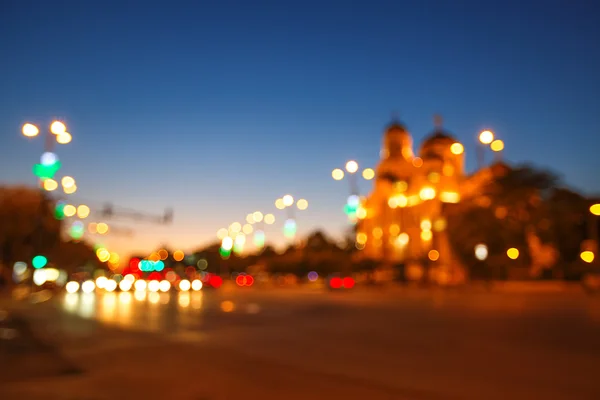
<point x="302" y="345"/>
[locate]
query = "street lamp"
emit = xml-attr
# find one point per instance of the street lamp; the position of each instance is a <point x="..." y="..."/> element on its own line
<point x="352" y="168"/>
<point x="259" y="220"/>
<point x="49" y="162"/>
<point x="593" y="227"/>
<point x="353" y="200"/>
<point x="287" y="203"/>
<point x="487" y="138"/>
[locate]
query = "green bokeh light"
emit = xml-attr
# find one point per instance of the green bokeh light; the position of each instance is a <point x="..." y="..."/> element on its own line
<point x="46" y="171"/>
<point x="39" y="262"/>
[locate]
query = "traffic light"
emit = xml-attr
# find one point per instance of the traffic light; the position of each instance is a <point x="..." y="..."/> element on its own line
<point x="48" y="171"/>
<point x="289" y="228"/>
<point x="39" y="262"/>
<point x="351" y="207"/>
<point x="59" y="211"/>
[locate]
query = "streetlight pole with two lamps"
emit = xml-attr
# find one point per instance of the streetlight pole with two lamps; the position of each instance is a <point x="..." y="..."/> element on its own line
<point x="287" y="203"/>
<point x="353" y="200"/>
<point x="487" y="138"/>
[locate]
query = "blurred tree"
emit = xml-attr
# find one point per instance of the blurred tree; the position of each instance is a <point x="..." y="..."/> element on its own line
<point x="73" y="255"/>
<point x="28" y="225"/>
<point x="513" y="204"/>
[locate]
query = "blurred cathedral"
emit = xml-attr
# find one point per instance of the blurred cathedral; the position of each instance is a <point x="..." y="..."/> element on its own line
<point x="402" y="220"/>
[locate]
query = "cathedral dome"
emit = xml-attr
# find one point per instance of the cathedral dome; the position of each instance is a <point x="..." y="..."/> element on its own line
<point x="396" y="128"/>
<point x="438" y="139"/>
<point x="397" y="142"/>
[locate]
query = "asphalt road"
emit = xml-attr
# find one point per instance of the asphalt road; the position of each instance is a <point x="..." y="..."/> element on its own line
<point x="295" y="344"/>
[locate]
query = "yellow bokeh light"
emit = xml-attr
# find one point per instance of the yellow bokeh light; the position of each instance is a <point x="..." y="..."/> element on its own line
<point x="400" y="186"/>
<point x="235" y="227"/>
<point x="361" y="238"/>
<point x="351" y="166"/>
<point x="497" y="145"/>
<point x="302" y="204"/>
<point x="50" y="184"/>
<point x="448" y="170"/>
<point x="247" y="229"/>
<point x="394" y="229"/>
<point x="427" y="193"/>
<point x="450" y="197"/>
<point x="486" y="137"/>
<point x="178" y="255"/>
<point x="163" y="254"/>
<point x="257" y="216"/>
<point x="587" y="256"/>
<point x="221" y="233"/>
<point x="30" y="130"/>
<point x="67" y="182"/>
<point x="64" y="138"/>
<point x="433" y="177"/>
<point x="83" y="211"/>
<point x="426" y="235"/>
<point x="269" y="219"/>
<point x="103" y="254"/>
<point x="154" y="256"/>
<point x="457" y="148"/>
<point x="102" y="228"/>
<point x="361" y="213"/>
<point x="398" y="201"/>
<point x="227" y="243"/>
<point x="426" y="225"/>
<point x="250" y="218"/>
<point x="417" y="162"/>
<point x="403" y="239"/>
<point x="368" y="174"/>
<point x="337" y="174"/>
<point x="512" y="253"/>
<point x="70" y="190"/>
<point x="69" y="210"/>
<point x="279" y="204"/>
<point x="377" y="233"/>
<point x="439" y="225"/>
<point x="58" y="127"/>
<point x="288" y="200"/>
<point x="227" y="306"/>
<point x="595" y="209"/>
<point x="433" y="255"/>
<point x="114" y="258"/>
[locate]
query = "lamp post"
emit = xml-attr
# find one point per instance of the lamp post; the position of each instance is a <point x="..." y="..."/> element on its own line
<point x="256" y="222"/>
<point x="48" y="166"/>
<point x="593" y="226"/>
<point x="49" y="163"/>
<point x="353" y="200"/>
<point x="487" y="138"/>
<point x="287" y="203"/>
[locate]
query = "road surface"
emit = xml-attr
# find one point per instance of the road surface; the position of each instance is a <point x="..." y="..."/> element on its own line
<point x="295" y="344"/>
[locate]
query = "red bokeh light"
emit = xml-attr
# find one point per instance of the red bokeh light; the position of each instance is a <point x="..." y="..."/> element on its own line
<point x="244" y="280"/>
<point x="134" y="265"/>
<point x="348" y="282"/>
<point x="155" y="276"/>
<point x="215" y="281"/>
<point x="335" y="282"/>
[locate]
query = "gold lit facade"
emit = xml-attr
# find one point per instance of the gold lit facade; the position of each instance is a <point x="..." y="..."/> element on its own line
<point x="402" y="219"/>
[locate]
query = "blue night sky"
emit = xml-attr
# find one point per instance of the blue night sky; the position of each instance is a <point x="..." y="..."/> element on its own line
<point x="218" y="108"/>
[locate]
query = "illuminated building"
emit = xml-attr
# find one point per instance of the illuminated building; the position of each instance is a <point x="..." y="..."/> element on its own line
<point x="403" y="220"/>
